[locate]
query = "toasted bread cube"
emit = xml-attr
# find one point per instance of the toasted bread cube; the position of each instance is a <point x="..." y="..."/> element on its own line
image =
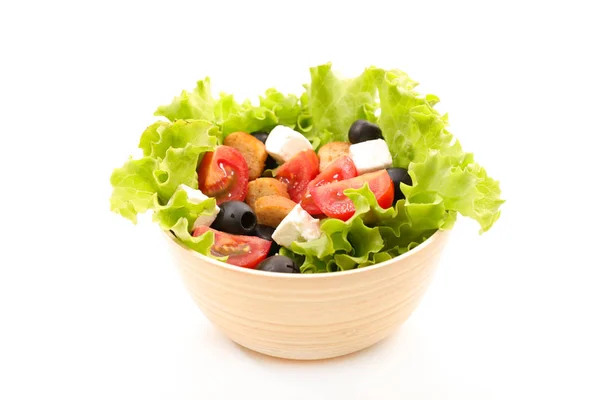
<point x="265" y="187"/>
<point x="331" y="152"/>
<point x="271" y="210"/>
<point x="252" y="149"/>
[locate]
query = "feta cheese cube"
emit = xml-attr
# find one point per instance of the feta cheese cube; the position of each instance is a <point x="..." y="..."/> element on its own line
<point x="283" y="143"/>
<point x="371" y="155"/>
<point x="195" y="196"/>
<point x="206" y="220"/>
<point x="299" y="226"/>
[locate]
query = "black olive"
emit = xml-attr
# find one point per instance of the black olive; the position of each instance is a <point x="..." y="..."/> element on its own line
<point x="271" y="163"/>
<point x="266" y="232"/>
<point x="235" y="217"/>
<point x="278" y="264"/>
<point x="262" y="136"/>
<point x="362" y="130"/>
<point x="399" y="175"/>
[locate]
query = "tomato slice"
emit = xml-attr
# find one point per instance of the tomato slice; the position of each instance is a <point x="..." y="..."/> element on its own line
<point x="334" y="203"/>
<point x="223" y="174"/>
<point x="298" y="172"/>
<point x="243" y="251"/>
<point x="341" y="169"/>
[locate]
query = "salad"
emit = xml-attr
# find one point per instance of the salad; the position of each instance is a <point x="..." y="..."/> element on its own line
<point x="353" y="172"/>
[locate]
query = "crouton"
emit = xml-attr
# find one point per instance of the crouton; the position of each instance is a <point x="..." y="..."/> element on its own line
<point x="265" y="187"/>
<point x="271" y="210"/>
<point x="252" y="149"/>
<point x="331" y="152"/>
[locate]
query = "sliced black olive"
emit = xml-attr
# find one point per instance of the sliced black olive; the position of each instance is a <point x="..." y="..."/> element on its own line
<point x="362" y="130"/>
<point x="399" y="175"/>
<point x="235" y="217"/>
<point x="278" y="264"/>
<point x="266" y="232"/>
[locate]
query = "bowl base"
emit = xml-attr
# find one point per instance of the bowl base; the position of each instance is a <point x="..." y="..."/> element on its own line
<point x="304" y="354"/>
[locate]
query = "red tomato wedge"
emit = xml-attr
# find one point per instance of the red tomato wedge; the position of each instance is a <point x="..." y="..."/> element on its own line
<point x="243" y="251"/>
<point x="223" y="174"/>
<point x="341" y="169"/>
<point x="298" y="172"/>
<point x="334" y="203"/>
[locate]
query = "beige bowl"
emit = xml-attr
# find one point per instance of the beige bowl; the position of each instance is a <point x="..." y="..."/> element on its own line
<point x="312" y="316"/>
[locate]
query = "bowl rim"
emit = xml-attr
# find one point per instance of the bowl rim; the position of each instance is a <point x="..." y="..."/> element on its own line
<point x="440" y="233"/>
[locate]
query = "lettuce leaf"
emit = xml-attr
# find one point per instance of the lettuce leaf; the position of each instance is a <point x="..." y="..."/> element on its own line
<point x="201" y="244"/>
<point x="134" y="187"/>
<point x="197" y="104"/>
<point x="462" y="186"/>
<point x="334" y="103"/>
<point x="171" y="154"/>
<point x="274" y="109"/>
<point x="178" y="216"/>
<point x="199" y="135"/>
<point x="285" y="108"/>
<point x="178" y="207"/>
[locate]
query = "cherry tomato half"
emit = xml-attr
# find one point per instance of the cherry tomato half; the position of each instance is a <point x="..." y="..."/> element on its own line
<point x="334" y="203"/>
<point x="223" y="174"/>
<point x="298" y="172"/>
<point x="341" y="169"/>
<point x="243" y="251"/>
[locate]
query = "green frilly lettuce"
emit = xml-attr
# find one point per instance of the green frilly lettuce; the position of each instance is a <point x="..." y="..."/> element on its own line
<point x="230" y="116"/>
<point x="178" y="216"/>
<point x="171" y="153"/>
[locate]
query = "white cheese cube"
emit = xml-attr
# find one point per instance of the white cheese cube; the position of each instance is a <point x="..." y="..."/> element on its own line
<point x="297" y="226"/>
<point x="371" y="155"/>
<point x="283" y="143"/>
<point x="206" y="220"/>
<point x="196" y="196"/>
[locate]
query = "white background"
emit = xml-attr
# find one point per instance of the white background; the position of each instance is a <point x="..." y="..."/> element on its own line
<point x="91" y="306"/>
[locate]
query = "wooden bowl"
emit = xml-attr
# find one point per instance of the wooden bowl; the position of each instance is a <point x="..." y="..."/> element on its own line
<point x="312" y="316"/>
